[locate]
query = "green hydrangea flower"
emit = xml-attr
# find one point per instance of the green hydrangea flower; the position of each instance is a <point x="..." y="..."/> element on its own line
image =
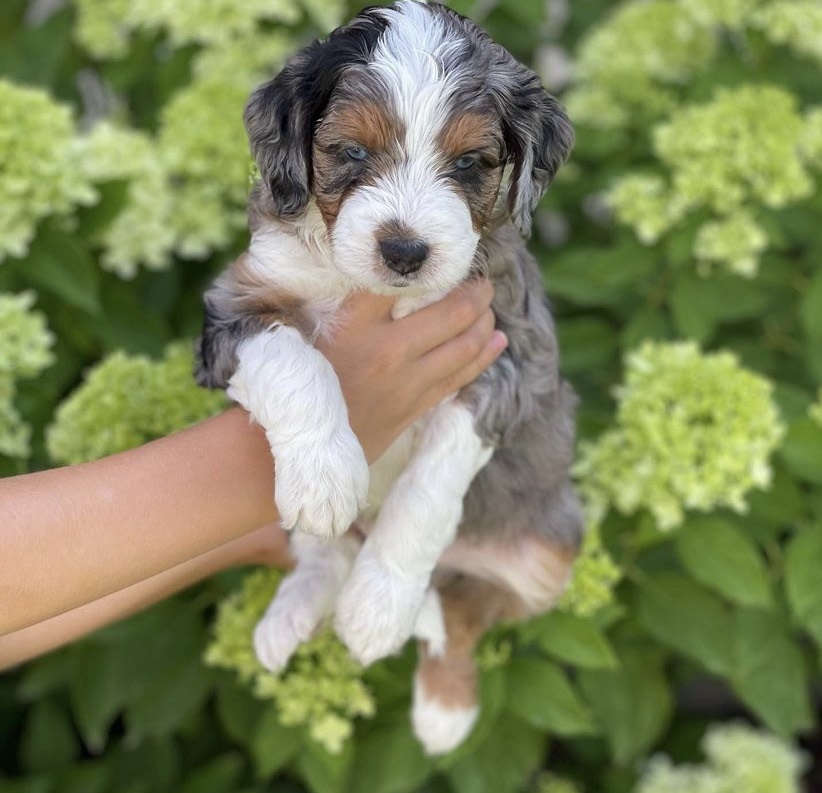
<point x="40" y="172"/>
<point x="142" y="232"/>
<point x="628" y="65"/>
<point x="25" y="350"/>
<point x="593" y="578"/>
<point x="322" y="687"/>
<point x="731" y="14"/>
<point x="203" y="146"/>
<point x="647" y="204"/>
<point x="739" y="758"/>
<point x="794" y="23"/>
<point x="733" y="242"/>
<point x="726" y="152"/>
<point x="127" y="400"/>
<point x="105" y="27"/>
<point x="693" y="431"/>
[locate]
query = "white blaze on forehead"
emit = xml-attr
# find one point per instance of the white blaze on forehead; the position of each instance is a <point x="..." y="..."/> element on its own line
<point x="409" y="59"/>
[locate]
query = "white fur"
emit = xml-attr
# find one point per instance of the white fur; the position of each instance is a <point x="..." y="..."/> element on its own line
<point x="379" y="603"/>
<point x="305" y="597"/>
<point x="439" y="729"/>
<point x="291" y="390"/>
<point x="430" y="624"/>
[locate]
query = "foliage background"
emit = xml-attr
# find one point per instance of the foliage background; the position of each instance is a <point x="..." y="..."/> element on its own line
<point x="682" y="250"/>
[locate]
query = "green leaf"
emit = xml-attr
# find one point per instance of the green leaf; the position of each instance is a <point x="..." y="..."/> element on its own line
<point x="574" y="640"/>
<point x="59" y="264"/>
<point x="802" y="449"/>
<point x="781" y="503"/>
<point x="273" y="745"/>
<point x="686" y="617"/>
<point x="720" y="556"/>
<point x="388" y="758"/>
<point x="632" y="703"/>
<point x="48" y="742"/>
<point x="597" y="277"/>
<point x="503" y="763"/>
<point x="540" y="693"/>
<point x="769" y="674"/>
<point x="700" y="305"/>
<point x="323" y="772"/>
<point x="220" y="775"/>
<point x="803" y="581"/>
<point x="586" y="342"/>
<point x="239" y="712"/>
<point x="810" y="308"/>
<point x="178" y="693"/>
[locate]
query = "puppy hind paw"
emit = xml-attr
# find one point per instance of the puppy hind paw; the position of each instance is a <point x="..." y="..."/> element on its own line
<point x="278" y="635"/>
<point x="377" y="610"/>
<point x="440" y="728"/>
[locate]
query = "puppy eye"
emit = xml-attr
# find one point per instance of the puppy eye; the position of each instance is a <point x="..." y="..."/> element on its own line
<point x="356" y="153"/>
<point x="465" y="162"/>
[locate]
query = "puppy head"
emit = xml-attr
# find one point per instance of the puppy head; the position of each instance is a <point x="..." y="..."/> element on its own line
<point x="414" y="133"/>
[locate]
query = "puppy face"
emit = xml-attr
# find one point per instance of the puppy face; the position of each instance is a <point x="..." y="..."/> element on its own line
<point x="413" y="132"/>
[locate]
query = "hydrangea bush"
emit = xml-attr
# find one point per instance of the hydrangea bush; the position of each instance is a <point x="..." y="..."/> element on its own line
<point x="682" y="252"/>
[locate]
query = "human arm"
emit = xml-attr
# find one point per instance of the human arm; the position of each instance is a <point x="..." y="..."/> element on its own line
<point x="72" y="535"/>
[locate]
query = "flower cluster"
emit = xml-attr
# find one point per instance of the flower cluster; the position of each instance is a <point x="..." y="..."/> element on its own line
<point x="693" y="431"/>
<point x="128" y="400"/>
<point x="105" y="29"/>
<point x="25" y="350"/>
<point x="142" y="231"/>
<point x="739" y="758"/>
<point x="322" y="686"/>
<point x="203" y="148"/>
<point x="731" y="14"/>
<point x="794" y="23"/>
<point x="593" y="578"/>
<point x="40" y="173"/>
<point x="627" y="69"/>
<point x="728" y="157"/>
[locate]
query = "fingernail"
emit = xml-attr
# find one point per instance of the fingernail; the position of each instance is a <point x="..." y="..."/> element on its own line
<point x="499" y="341"/>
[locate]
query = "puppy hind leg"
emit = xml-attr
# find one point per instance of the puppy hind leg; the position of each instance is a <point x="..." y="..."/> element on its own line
<point x="305" y="597"/>
<point x="445" y="707"/>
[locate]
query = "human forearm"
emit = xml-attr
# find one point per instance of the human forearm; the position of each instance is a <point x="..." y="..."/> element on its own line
<point x="264" y="546"/>
<point x="80" y="533"/>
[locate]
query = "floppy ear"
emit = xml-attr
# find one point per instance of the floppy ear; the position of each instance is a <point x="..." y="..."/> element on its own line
<point x="281" y="115"/>
<point x="539" y="138"/>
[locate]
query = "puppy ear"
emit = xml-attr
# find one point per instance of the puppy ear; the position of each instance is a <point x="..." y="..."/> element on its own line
<point x="281" y="115"/>
<point x="539" y="138"/>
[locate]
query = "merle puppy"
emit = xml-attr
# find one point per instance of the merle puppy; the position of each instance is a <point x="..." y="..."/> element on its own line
<point x="403" y="155"/>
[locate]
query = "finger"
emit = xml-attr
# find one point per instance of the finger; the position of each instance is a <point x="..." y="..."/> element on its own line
<point x="457" y="353"/>
<point x="434" y="325"/>
<point x="493" y="349"/>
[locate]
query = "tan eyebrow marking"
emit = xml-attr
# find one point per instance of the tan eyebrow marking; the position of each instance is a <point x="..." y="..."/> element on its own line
<point x="469" y="132"/>
<point x="366" y="123"/>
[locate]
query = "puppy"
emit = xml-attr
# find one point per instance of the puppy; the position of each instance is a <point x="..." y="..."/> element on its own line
<point x="402" y="155"/>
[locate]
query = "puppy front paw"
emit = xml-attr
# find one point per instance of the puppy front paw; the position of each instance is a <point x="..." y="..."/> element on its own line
<point x="320" y="489"/>
<point x="377" y="609"/>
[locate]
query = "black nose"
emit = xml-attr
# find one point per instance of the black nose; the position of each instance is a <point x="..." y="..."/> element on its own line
<point x="403" y="255"/>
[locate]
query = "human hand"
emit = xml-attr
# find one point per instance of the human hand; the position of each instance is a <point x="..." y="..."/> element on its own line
<point x="392" y="371"/>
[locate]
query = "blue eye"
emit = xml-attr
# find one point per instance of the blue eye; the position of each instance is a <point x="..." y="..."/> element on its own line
<point x="465" y="162"/>
<point x="357" y="153"/>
